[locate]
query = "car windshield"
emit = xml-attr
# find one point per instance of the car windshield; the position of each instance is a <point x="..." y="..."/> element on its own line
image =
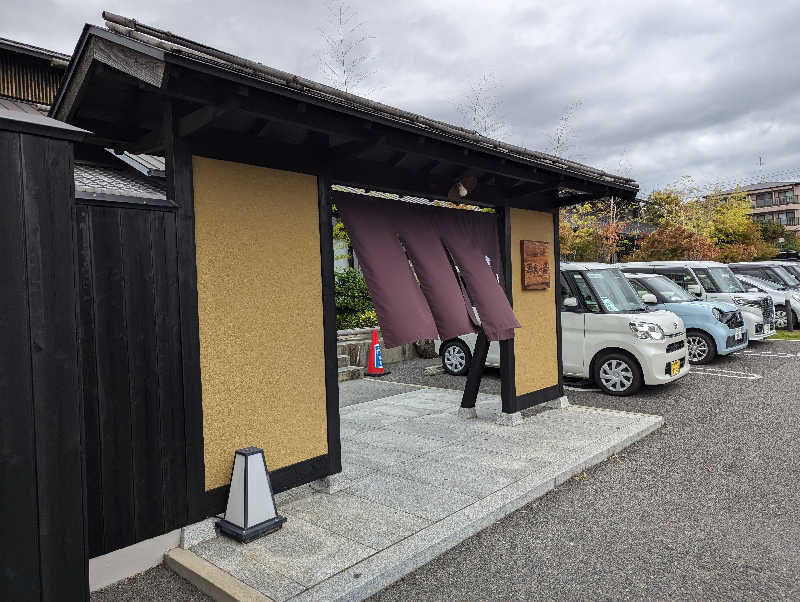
<point x="793" y="270"/>
<point x="764" y="285"/>
<point x="724" y="280"/>
<point x="667" y="291"/>
<point x="613" y="291"/>
<point x="784" y="276"/>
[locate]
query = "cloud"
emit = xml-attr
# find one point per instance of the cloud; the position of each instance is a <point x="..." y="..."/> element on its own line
<point x="668" y="89"/>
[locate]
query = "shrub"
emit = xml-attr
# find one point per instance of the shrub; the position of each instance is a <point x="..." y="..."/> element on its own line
<point x="354" y="307"/>
<point x="363" y="319"/>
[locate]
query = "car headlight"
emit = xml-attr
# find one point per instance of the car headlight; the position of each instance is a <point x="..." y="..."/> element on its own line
<point x="646" y="330"/>
<point x="716" y="313"/>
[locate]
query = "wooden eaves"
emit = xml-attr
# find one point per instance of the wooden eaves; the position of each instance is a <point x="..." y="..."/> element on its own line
<point x="119" y="83"/>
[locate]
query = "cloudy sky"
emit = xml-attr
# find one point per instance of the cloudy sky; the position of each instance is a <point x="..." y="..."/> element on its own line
<point x="663" y="90"/>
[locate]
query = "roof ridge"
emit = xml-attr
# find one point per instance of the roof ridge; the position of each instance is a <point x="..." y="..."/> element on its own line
<point x="24" y="45"/>
<point x="177" y="44"/>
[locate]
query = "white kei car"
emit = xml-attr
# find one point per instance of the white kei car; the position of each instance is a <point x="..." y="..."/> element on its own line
<point x="608" y="334"/>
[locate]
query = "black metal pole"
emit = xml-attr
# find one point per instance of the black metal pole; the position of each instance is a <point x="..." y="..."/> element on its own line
<point x="475" y="371"/>
<point x="789" y="317"/>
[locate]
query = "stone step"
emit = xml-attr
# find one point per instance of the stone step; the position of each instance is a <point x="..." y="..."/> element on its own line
<point x="350" y="373"/>
<point x="344" y="360"/>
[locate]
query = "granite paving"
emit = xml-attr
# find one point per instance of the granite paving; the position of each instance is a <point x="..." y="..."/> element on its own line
<point x="416" y="481"/>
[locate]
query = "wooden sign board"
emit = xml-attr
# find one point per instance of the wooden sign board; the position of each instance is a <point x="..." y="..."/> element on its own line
<point x="535" y="264"/>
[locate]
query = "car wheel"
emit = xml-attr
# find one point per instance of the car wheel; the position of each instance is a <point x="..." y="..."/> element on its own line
<point x="456" y="357"/>
<point x="780" y="317"/>
<point x="618" y="374"/>
<point x="700" y="347"/>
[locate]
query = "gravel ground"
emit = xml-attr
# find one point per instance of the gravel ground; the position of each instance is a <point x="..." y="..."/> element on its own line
<point x="707" y="507"/>
<point x="367" y="389"/>
<point x="411" y="372"/>
<point x="159" y="584"/>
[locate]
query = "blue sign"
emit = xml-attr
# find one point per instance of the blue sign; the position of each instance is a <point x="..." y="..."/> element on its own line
<point x="378" y="358"/>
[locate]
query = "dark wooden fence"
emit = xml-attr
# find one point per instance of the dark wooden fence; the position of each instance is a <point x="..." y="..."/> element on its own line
<point x="130" y="365"/>
<point x="43" y="555"/>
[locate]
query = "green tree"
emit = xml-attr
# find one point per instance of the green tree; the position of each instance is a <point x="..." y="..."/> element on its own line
<point x="772" y="232"/>
<point x="587" y="233"/>
<point x="679" y="205"/>
<point x="734" y="232"/>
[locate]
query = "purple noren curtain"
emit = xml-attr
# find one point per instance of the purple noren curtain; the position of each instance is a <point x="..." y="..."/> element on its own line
<point x="428" y="301"/>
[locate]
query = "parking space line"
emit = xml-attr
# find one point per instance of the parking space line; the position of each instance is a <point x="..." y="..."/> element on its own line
<point x="568" y="388"/>
<point x="724" y="373"/>
<point x="770" y="354"/>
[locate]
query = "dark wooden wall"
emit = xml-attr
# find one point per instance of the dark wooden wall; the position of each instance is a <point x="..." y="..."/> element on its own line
<point x="28" y="78"/>
<point x="130" y="361"/>
<point x="43" y="552"/>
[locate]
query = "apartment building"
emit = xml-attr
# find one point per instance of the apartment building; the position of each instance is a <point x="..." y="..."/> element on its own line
<point x="777" y="202"/>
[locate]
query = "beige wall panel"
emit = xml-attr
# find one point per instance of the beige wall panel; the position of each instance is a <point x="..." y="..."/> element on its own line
<point x="260" y="304"/>
<point x="535" y="344"/>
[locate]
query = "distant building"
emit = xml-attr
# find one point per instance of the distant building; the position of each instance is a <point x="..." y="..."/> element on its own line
<point x="775" y="202"/>
<point x="30" y="74"/>
<point x="29" y="80"/>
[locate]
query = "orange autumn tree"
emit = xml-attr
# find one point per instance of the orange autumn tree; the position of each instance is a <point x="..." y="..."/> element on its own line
<point x="589" y="233"/>
<point x="673" y="242"/>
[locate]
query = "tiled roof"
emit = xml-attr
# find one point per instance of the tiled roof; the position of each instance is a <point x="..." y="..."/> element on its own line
<point x="194" y="51"/>
<point x="20" y="116"/>
<point x="149" y="165"/>
<point x="766" y="186"/>
<point x="32" y="50"/>
<point x="122" y="181"/>
<point x="10" y="104"/>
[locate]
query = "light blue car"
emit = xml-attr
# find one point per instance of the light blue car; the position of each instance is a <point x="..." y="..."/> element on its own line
<point x="712" y="327"/>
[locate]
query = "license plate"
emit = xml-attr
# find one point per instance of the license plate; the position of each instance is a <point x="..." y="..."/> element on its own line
<point x="738" y="334"/>
<point x="674" y="367"/>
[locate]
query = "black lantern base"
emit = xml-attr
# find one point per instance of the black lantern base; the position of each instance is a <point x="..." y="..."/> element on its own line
<point x="247" y="535"/>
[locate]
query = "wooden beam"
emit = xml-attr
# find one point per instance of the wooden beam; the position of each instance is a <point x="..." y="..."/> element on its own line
<point x="355" y="148"/>
<point x="259" y="126"/>
<point x="314" y="117"/>
<point x="429" y="167"/>
<point x="355" y="172"/>
<point x="396" y="159"/>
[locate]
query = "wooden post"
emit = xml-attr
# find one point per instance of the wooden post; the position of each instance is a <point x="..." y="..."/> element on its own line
<point x="508" y="390"/>
<point x="329" y="323"/>
<point x="475" y="371"/>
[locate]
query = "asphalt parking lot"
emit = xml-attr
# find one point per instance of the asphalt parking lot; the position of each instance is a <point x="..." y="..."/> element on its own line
<point x="707" y="507"/>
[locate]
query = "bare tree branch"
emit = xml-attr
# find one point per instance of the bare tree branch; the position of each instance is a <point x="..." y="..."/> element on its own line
<point x="345" y="58"/>
<point x="480" y="109"/>
<point x="563" y="137"/>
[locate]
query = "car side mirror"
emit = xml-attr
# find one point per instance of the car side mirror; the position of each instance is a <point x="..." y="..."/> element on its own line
<point x="649" y="298"/>
<point x="695" y="289"/>
<point x="570" y="302"/>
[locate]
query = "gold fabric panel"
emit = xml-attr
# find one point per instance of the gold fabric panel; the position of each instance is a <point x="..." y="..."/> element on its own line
<point x="260" y="306"/>
<point x="535" y="344"/>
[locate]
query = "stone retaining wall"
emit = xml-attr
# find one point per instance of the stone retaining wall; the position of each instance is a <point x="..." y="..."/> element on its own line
<point x="355" y="344"/>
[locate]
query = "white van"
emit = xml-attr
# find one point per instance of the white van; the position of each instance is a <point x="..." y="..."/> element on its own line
<point x="781" y="298"/>
<point x="714" y="281"/>
<point x="607" y="334"/>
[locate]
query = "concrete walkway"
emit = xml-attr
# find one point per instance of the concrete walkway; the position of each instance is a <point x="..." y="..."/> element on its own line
<point x="416" y="481"/>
